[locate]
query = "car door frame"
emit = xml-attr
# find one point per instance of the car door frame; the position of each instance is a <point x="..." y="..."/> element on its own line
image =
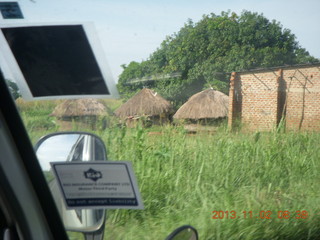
<point x="24" y="191"/>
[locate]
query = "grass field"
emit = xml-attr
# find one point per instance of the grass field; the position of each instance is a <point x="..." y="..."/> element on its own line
<point x="265" y="185"/>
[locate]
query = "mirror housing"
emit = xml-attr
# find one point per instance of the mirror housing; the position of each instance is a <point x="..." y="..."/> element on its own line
<point x="72" y="146"/>
<point x="185" y="232"/>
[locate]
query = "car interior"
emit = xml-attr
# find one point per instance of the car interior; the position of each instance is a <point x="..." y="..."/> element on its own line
<point x="25" y="198"/>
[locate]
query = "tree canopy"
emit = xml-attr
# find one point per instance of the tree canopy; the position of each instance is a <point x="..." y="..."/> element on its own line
<point x="207" y="51"/>
<point x="13" y="87"/>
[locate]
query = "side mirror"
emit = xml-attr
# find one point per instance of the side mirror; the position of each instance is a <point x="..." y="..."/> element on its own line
<point x="72" y="146"/>
<point x="184" y="233"/>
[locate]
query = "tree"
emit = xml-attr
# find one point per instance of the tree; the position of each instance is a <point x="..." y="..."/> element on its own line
<point x="206" y="52"/>
<point x="13" y="87"/>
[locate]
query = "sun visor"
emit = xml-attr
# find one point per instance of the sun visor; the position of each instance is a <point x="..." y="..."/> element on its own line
<point x="50" y="61"/>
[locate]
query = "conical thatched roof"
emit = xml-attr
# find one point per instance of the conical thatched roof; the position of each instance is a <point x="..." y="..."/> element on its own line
<point x="79" y="107"/>
<point x="206" y="104"/>
<point x="144" y="103"/>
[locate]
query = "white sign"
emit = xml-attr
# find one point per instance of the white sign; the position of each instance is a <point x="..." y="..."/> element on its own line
<point x="98" y="184"/>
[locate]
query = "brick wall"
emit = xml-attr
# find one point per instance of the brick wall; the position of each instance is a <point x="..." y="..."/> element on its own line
<point x="259" y="99"/>
<point x="303" y="98"/>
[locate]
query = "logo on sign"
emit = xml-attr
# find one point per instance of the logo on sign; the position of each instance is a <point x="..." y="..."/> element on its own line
<point x="92" y="174"/>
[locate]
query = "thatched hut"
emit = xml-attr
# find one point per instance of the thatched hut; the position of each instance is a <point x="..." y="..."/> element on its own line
<point x="146" y="104"/>
<point x="204" y="106"/>
<point x="81" y="110"/>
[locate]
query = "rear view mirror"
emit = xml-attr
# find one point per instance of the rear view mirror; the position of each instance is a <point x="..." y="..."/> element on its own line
<point x="184" y="233"/>
<point x="65" y="147"/>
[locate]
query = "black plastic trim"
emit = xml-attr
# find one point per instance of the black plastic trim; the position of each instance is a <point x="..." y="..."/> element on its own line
<point x="8" y="199"/>
<point x="178" y="230"/>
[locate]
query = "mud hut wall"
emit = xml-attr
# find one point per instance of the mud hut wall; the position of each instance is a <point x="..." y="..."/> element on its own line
<point x="265" y="96"/>
<point x="303" y="98"/>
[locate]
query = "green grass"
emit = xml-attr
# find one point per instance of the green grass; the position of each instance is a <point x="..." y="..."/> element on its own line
<point x="183" y="178"/>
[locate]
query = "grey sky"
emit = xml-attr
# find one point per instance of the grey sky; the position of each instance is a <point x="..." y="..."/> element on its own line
<point x="132" y="30"/>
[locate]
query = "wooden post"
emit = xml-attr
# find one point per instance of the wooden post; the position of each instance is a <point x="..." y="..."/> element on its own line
<point x="281" y="108"/>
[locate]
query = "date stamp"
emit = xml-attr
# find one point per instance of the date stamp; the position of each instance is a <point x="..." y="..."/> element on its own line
<point x="299" y="214"/>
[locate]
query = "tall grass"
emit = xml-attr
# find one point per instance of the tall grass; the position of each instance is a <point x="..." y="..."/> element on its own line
<point x="36" y="117"/>
<point x="183" y="178"/>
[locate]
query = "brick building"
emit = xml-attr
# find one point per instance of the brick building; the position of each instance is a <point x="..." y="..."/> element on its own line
<point x="259" y="99"/>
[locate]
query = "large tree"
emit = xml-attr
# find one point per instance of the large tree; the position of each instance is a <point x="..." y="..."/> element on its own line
<point x="207" y="51"/>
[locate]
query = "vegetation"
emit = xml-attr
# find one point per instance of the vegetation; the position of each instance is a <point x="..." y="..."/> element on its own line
<point x="228" y="185"/>
<point x="36" y="115"/>
<point x="184" y="178"/>
<point x="207" y="51"/>
<point x="13" y="87"/>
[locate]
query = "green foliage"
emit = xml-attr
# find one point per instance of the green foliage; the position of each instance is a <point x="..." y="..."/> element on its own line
<point x="48" y="175"/>
<point x="184" y="178"/>
<point x="13" y="87"/>
<point x="207" y="51"/>
<point x="36" y="115"/>
<point x="40" y="122"/>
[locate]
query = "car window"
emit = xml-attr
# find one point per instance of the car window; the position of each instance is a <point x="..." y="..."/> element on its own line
<point x="218" y="113"/>
<point x="98" y="150"/>
<point x="78" y="151"/>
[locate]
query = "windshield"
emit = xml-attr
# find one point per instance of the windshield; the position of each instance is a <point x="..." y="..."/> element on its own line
<point x="218" y="112"/>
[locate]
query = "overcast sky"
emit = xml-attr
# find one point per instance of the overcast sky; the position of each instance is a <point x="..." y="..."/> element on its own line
<point x="131" y="30"/>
